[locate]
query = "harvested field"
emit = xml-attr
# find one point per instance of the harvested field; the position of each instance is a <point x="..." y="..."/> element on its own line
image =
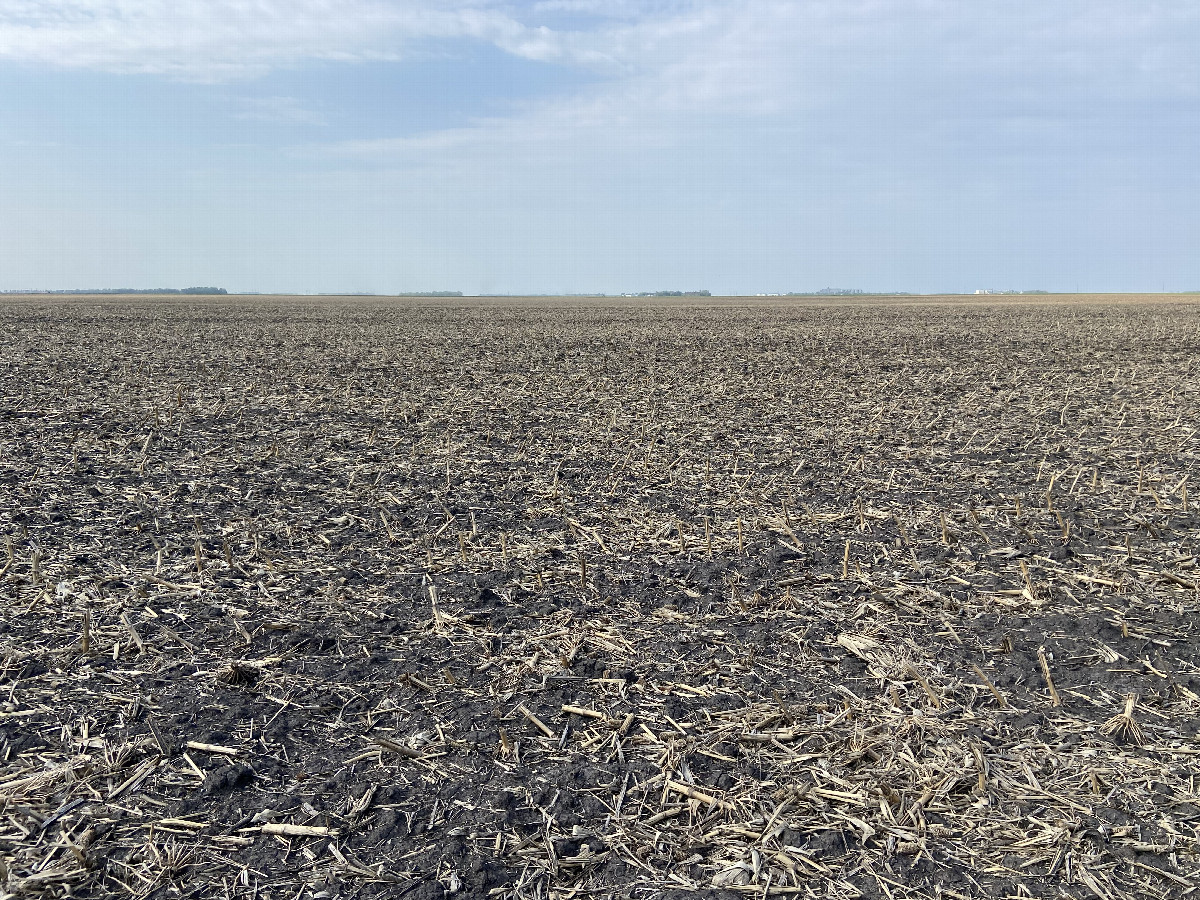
<point x="533" y="599"/>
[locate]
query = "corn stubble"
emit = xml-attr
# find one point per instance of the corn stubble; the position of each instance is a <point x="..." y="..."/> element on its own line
<point x="532" y="599"/>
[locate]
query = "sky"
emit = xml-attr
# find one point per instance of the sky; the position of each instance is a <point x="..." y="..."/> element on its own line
<point x="568" y="146"/>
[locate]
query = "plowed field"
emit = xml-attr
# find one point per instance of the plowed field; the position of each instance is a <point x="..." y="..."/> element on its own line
<point x="571" y="599"/>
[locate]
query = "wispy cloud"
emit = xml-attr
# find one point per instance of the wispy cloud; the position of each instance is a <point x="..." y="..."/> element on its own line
<point x="688" y="68"/>
<point x="710" y="46"/>
<point x="277" y="111"/>
<point x="220" y="39"/>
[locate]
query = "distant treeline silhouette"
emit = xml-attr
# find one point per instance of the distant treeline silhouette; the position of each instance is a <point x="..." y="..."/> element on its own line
<point x="191" y="290"/>
<point x="670" y="294"/>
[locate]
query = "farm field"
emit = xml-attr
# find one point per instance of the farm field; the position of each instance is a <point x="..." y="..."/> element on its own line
<point x="566" y="599"/>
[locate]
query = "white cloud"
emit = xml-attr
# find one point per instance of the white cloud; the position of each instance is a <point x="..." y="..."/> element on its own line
<point x="697" y="50"/>
<point x="277" y="111"/>
<point x="219" y="39"/>
<point x="689" y="68"/>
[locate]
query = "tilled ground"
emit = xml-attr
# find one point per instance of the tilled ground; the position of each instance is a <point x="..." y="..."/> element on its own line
<point x="553" y="600"/>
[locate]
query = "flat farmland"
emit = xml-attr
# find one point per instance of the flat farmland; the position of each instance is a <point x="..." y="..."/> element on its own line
<point x="565" y="599"/>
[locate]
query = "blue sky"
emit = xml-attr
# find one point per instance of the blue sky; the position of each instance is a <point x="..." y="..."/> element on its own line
<point x="575" y="145"/>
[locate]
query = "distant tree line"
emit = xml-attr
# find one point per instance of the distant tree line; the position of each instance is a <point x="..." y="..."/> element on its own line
<point x="670" y="294"/>
<point x="191" y="290"/>
<point x="843" y="292"/>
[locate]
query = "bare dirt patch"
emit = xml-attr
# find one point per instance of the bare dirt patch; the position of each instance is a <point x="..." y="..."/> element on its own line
<point x="538" y="599"/>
